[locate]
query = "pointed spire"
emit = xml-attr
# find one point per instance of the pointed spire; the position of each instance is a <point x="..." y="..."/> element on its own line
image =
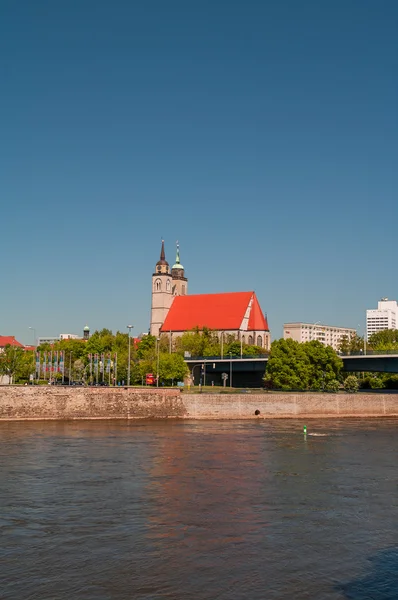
<point x="177" y="264"/>
<point x="162" y="260"/>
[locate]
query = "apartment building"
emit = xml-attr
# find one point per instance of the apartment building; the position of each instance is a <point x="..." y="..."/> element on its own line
<point x="329" y="335"/>
<point x="385" y="316"/>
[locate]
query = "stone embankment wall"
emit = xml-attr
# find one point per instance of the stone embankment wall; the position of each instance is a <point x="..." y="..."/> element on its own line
<point x="48" y="402"/>
<point x="27" y="403"/>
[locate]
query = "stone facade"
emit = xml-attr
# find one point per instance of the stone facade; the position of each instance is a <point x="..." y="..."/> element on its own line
<point x="64" y="403"/>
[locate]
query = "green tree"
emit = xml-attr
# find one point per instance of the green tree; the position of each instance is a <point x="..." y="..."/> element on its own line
<point x="12" y="360"/>
<point x="384" y="340"/>
<point x="172" y="367"/>
<point x="351" y="384"/>
<point x="326" y="366"/>
<point x="351" y="344"/>
<point x="147" y="346"/>
<point x="310" y="365"/>
<point x="288" y="366"/>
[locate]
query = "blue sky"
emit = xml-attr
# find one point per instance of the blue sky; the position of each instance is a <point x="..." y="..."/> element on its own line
<point x="262" y="135"/>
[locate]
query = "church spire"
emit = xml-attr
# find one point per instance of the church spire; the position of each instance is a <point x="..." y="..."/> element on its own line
<point x="162" y="266"/>
<point x="177" y="264"/>
<point x="162" y="254"/>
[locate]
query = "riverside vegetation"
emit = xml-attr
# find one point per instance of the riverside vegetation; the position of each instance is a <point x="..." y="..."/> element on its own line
<point x="291" y="365"/>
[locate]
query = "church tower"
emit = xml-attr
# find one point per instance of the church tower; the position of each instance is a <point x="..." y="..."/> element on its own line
<point x="162" y="293"/>
<point x="180" y="282"/>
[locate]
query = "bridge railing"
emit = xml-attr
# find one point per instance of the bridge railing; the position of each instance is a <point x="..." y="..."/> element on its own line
<point x="226" y="357"/>
<point x="369" y="353"/>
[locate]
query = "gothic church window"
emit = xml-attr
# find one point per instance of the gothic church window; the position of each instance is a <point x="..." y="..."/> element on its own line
<point x="259" y="340"/>
<point x="168" y="285"/>
<point x="250" y="340"/>
<point x="158" y="285"/>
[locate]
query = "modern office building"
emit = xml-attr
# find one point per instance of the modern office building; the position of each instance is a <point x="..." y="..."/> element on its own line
<point x="329" y="335"/>
<point x="385" y="316"/>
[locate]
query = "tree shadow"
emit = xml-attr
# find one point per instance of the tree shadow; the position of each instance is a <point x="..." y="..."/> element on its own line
<point x="380" y="584"/>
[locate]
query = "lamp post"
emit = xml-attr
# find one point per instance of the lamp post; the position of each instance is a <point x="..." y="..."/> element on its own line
<point x="157" y="362"/>
<point x="34" y="335"/>
<point x="230" y="369"/>
<point x="364" y="338"/>
<point x="129" y="327"/>
<point x="241" y="343"/>
<point x="170" y="341"/>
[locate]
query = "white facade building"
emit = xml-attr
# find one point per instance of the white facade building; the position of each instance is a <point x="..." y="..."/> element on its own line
<point x="385" y="316"/>
<point x="54" y="340"/>
<point x="328" y="335"/>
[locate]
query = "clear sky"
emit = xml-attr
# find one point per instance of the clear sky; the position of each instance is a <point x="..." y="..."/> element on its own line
<point x="261" y="134"/>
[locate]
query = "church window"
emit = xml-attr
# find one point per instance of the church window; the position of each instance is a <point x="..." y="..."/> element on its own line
<point x="168" y="285"/>
<point x="243" y="339"/>
<point x="250" y="340"/>
<point x="259" y="340"/>
<point x="158" y="285"/>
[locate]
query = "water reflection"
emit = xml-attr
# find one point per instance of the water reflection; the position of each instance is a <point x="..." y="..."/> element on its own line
<point x="196" y="510"/>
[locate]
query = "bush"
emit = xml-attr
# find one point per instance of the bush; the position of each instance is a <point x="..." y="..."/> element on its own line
<point x="376" y="383"/>
<point x="332" y="386"/>
<point x="392" y="382"/>
<point x="364" y="383"/>
<point x="351" y="384"/>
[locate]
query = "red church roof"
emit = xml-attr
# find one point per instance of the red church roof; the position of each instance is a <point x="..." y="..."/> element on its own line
<point x="221" y="312"/>
<point x="6" y="340"/>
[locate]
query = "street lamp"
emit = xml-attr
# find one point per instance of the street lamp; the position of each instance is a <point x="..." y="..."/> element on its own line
<point x="230" y="369"/>
<point x="157" y="362"/>
<point x="364" y="338"/>
<point x="34" y="335"/>
<point x="129" y="327"/>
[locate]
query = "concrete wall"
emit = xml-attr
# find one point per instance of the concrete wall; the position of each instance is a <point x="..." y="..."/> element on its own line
<point x="243" y="406"/>
<point x="49" y="402"/>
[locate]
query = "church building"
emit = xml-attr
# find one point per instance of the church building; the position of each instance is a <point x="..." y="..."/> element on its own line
<point x="174" y="312"/>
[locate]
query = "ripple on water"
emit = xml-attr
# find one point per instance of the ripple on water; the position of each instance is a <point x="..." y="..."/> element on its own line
<point x="198" y="510"/>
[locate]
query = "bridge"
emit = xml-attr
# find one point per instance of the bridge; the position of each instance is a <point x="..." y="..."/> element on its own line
<point x="384" y="362"/>
<point x="248" y="371"/>
<point x="235" y="371"/>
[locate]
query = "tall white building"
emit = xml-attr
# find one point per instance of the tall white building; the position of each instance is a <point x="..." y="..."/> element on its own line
<point x="329" y="335"/>
<point x="385" y="316"/>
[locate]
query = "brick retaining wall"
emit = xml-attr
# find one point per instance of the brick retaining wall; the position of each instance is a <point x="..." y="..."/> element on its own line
<point x="29" y="403"/>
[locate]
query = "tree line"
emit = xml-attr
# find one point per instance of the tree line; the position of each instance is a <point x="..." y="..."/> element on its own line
<point x="291" y="365"/>
<point x="164" y="357"/>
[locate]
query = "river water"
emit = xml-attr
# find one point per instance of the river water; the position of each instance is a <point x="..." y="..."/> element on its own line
<point x="199" y="510"/>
